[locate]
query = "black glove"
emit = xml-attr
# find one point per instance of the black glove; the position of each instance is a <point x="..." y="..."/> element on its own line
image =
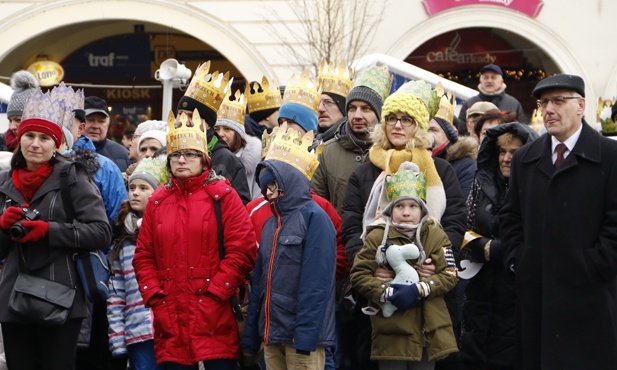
<point x="405" y="296"/>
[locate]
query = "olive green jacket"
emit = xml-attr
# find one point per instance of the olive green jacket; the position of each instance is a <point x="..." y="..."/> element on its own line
<point x="402" y="336"/>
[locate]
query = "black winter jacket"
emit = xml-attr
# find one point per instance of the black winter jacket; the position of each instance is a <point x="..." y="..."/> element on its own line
<point x="489" y="312"/>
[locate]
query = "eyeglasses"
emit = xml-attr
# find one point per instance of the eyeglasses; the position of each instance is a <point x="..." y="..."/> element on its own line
<point x="272" y="187"/>
<point x="328" y="103"/>
<point x="556" y="100"/>
<point x="405" y="121"/>
<point x="175" y="156"/>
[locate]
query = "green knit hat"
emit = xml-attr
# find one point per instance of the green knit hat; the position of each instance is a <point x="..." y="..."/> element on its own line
<point x="152" y="170"/>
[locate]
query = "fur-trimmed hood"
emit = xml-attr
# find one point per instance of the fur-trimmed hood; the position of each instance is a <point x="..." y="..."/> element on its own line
<point x="465" y="147"/>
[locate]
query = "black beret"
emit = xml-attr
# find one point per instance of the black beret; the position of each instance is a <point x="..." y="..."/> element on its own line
<point x="560" y="81"/>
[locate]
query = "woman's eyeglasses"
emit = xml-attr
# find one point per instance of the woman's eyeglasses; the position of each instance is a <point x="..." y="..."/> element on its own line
<point x="405" y="121"/>
<point x="175" y="156"/>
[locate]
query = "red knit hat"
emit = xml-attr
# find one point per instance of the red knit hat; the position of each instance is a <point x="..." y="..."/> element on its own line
<point x="39" y="125"/>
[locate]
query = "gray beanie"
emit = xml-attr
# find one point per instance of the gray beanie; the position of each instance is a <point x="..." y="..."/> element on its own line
<point x="24" y="84"/>
<point x="368" y="95"/>
<point x="68" y="137"/>
<point x="236" y="126"/>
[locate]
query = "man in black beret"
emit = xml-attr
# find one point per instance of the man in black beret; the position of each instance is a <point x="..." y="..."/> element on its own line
<point x="558" y="228"/>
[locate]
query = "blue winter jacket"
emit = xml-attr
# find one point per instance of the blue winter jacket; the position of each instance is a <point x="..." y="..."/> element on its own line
<point x="292" y="300"/>
<point x="108" y="179"/>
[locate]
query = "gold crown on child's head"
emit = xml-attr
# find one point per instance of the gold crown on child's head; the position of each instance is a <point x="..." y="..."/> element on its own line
<point x="266" y="97"/>
<point x="209" y="88"/>
<point x="287" y="145"/>
<point x="183" y="134"/>
<point x="446" y="107"/>
<point x="234" y="110"/>
<point x="302" y="90"/>
<point x="335" y="79"/>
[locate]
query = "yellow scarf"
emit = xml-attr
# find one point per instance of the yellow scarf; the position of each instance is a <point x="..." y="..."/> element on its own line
<point x="390" y="160"/>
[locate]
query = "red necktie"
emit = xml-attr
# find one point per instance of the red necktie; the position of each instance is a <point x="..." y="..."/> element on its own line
<point x="560" y="149"/>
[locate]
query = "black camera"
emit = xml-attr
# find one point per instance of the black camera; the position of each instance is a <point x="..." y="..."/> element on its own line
<point x="18" y="230"/>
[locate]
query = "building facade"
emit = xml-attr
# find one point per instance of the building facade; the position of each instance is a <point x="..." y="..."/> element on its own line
<point x="111" y="43"/>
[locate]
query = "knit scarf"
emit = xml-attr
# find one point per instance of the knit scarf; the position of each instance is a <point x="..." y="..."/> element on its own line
<point x="132" y="222"/>
<point x="389" y="162"/>
<point x="361" y="140"/>
<point x="28" y="182"/>
<point x="407" y="230"/>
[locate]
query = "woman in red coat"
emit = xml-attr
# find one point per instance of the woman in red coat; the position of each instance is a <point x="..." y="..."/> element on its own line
<point x="177" y="262"/>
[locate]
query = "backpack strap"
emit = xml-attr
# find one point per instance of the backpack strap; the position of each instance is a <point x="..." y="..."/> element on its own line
<point x="235" y="306"/>
<point x="65" y="192"/>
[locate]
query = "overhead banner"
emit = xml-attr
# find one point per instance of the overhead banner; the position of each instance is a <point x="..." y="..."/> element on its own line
<point x="530" y="7"/>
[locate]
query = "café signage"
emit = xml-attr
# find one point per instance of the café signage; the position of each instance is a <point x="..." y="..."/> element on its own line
<point x="47" y="72"/>
<point x="530" y="7"/>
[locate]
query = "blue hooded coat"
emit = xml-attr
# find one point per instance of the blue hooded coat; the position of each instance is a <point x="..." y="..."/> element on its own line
<point x="292" y="300"/>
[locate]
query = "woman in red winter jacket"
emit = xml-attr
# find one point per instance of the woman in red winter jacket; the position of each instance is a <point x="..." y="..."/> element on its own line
<point x="180" y="273"/>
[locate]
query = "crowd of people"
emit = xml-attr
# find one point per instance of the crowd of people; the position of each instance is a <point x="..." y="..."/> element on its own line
<point x="332" y="225"/>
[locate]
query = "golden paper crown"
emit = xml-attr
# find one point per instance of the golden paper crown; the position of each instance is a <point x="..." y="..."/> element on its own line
<point x="265" y="97"/>
<point x="209" y="88"/>
<point x="234" y="110"/>
<point x="446" y="107"/>
<point x="186" y="135"/>
<point x="335" y="79"/>
<point x="408" y="181"/>
<point x="288" y="146"/>
<point x="537" y="121"/>
<point x="303" y="91"/>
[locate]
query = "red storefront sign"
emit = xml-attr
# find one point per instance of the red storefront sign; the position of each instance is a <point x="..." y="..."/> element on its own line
<point x="530" y="7"/>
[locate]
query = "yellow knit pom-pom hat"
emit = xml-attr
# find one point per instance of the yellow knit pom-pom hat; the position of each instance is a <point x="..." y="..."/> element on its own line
<point x="408" y="104"/>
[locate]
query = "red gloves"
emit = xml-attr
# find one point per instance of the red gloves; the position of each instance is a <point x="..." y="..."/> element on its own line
<point x="38" y="230"/>
<point x="10" y="216"/>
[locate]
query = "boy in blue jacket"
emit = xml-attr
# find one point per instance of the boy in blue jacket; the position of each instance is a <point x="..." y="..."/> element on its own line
<point x="291" y="306"/>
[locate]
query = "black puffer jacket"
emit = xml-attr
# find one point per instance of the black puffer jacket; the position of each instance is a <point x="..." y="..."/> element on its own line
<point x="226" y="164"/>
<point x="490" y="298"/>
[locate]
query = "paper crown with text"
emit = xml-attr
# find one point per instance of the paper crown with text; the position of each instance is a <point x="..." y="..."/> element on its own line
<point x="425" y="91"/>
<point x="208" y="88"/>
<point x="408" y="181"/>
<point x="447" y="103"/>
<point x="377" y="78"/>
<point x="56" y="106"/>
<point x="262" y="97"/>
<point x="183" y="134"/>
<point x="303" y="91"/>
<point x="289" y="146"/>
<point x="234" y="110"/>
<point x="335" y="78"/>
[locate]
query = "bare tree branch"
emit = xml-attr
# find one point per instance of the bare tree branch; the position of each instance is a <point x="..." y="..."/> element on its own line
<point x="333" y="30"/>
